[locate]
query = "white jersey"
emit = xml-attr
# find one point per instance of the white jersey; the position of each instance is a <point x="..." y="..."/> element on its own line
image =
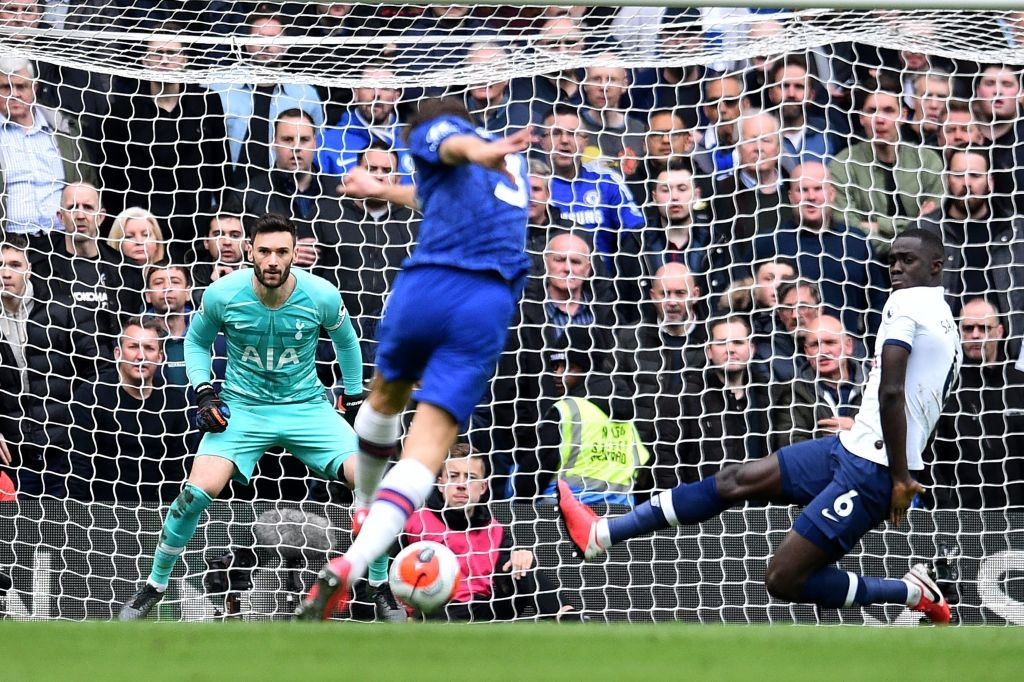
<point x="919" y="320"/>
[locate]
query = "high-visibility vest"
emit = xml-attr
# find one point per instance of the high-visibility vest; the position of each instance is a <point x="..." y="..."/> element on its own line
<point x="600" y="456"/>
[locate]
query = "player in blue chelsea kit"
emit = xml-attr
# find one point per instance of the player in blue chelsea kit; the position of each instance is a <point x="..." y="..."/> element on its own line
<point x="849" y="483"/>
<point x="444" y="325"/>
<point x="271" y="318"/>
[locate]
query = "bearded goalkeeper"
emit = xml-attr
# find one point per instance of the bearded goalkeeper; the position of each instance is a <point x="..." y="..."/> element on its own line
<point x="271" y="317"/>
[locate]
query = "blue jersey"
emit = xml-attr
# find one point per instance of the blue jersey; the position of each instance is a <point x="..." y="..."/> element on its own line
<point x="598" y="200"/>
<point x="474" y="218"/>
<point x="271" y="351"/>
<point x="340" y="146"/>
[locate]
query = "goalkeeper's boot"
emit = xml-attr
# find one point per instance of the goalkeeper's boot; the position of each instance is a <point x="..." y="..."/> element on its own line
<point x="385" y="606"/>
<point x="580" y="521"/>
<point x="141" y="603"/>
<point x="358" y="519"/>
<point x="330" y="593"/>
<point x="932" y="602"/>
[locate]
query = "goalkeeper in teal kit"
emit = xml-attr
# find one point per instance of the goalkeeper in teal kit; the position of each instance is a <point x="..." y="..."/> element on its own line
<point x="271" y="317"/>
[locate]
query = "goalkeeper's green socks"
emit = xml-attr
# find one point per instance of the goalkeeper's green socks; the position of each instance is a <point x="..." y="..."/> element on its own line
<point x="179" y="527"/>
<point x="378" y="573"/>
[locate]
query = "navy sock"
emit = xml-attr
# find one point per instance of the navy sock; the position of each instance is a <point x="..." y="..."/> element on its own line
<point x="646" y="518"/>
<point x="834" y="588"/>
<point x="685" y="504"/>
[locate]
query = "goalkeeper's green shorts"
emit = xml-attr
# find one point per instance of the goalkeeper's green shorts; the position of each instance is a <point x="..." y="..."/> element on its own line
<point x="312" y="431"/>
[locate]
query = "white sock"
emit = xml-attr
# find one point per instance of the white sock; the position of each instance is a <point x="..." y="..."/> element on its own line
<point x="604" y="538"/>
<point x="403" y="491"/>
<point x="914" y="593"/>
<point x="380" y="430"/>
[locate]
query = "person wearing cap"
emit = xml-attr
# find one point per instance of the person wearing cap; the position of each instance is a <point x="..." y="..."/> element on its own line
<point x="580" y="438"/>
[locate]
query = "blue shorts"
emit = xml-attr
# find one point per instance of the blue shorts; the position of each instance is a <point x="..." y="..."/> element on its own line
<point x="446" y="328"/>
<point x="312" y="431"/>
<point x="845" y="495"/>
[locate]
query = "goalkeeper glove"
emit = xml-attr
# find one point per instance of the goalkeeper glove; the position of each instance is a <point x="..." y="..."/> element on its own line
<point x="349" y="406"/>
<point x="212" y="413"/>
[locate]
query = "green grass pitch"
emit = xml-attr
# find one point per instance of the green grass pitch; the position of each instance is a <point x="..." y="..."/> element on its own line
<point x="292" y="651"/>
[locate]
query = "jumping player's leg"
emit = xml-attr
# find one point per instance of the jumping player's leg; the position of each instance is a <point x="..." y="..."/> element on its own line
<point x="377" y="427"/>
<point x="405" y="488"/>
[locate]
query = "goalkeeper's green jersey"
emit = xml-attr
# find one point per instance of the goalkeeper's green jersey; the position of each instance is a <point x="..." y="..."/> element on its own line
<point x="271" y="351"/>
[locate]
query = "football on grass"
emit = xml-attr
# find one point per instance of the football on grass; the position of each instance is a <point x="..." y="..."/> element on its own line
<point x="425" y="575"/>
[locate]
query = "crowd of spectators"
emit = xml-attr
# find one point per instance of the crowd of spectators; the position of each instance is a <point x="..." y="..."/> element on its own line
<point x="709" y="243"/>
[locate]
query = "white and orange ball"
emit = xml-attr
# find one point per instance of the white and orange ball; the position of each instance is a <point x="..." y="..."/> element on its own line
<point x="425" y="575"/>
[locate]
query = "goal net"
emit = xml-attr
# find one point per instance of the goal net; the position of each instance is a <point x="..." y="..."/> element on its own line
<point x="699" y="175"/>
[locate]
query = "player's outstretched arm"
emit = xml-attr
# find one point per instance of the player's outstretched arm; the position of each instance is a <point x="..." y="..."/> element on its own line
<point x="461" y="149"/>
<point x="892" y="400"/>
<point x="359" y="183"/>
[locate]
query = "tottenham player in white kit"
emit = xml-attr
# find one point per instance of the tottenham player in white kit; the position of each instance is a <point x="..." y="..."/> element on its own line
<point x="850" y="482"/>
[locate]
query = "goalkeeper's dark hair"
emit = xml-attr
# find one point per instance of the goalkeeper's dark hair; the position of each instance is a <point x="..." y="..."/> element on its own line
<point x="270" y="223"/>
<point x="931" y="242"/>
<point x="435" y="107"/>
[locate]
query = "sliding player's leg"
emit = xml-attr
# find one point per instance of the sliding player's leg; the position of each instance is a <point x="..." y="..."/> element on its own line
<point x="685" y="504"/>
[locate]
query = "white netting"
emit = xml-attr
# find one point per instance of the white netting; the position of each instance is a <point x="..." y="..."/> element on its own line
<point x="174" y="110"/>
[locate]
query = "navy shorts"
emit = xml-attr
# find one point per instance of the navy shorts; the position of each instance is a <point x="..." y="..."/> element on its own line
<point x="446" y="328"/>
<point x="845" y="495"/>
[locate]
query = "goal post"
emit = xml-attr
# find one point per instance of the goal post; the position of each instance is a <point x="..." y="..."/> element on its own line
<point x="171" y="112"/>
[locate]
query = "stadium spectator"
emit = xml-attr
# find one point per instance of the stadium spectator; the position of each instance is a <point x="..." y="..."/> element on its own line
<point x="362" y="249"/>
<point x="978" y="451"/>
<point x="748" y="201"/>
<point x="672" y="87"/>
<point x="723" y="410"/>
<point x="128" y="433"/>
<point x="223" y="250"/>
<point x="544" y="217"/>
<point x="722" y="104"/>
<point x="581" y="437"/>
<point x="168" y="297"/>
<point x="567" y="297"/>
<point x="499" y="582"/>
<point x="618" y="139"/>
<point x="883" y="183"/>
<point x="371" y="119"/>
<point x="806" y="134"/>
<point x="984" y="242"/>
<point x="589" y="195"/>
<point x="799" y="304"/>
<point x="494" y="106"/>
<point x="79" y="270"/>
<point x="669" y="138"/>
<point x="826" y="394"/>
<point x="997" y="94"/>
<point x="929" y="107"/>
<point x="652" y="358"/>
<point x="137" y="241"/>
<point x="841" y="260"/>
<point x="758" y="297"/>
<point x="41" y="150"/>
<point x="294" y="188"/>
<point x="959" y="130"/>
<point x="678" y="231"/>
<point x="251" y="110"/>
<point x="434" y="31"/>
<point x="560" y="39"/>
<point x="45" y="354"/>
<point x="165" y="147"/>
